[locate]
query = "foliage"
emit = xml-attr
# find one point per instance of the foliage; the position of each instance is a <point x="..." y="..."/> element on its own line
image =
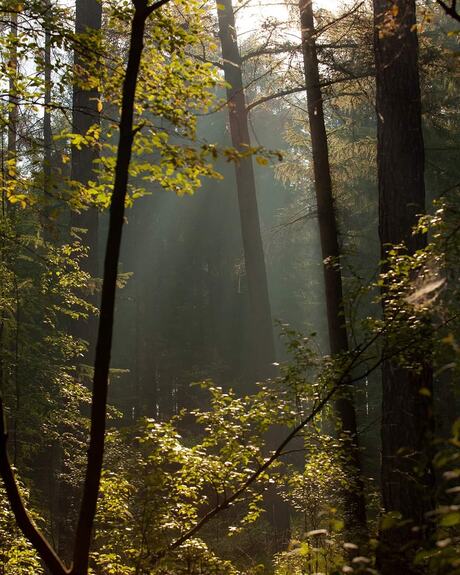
<point x="17" y="557"/>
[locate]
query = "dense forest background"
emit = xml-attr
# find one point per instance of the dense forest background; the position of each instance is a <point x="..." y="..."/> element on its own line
<point x="229" y="303"/>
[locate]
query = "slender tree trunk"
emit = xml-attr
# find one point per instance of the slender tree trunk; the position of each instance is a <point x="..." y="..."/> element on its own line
<point x="262" y="344"/>
<point x="105" y="332"/>
<point x="13" y="111"/>
<point x="88" y="18"/>
<point x="354" y="499"/>
<point x="47" y="134"/>
<point x="104" y="339"/>
<point x="406" y="414"/>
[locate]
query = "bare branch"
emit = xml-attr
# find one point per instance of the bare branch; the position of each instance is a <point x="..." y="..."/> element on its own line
<point x="451" y="9"/>
<point x="297" y="89"/>
<point x="23" y="519"/>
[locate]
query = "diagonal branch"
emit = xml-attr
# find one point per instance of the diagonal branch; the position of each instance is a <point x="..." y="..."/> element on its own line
<point x="450" y="9"/>
<point x="23" y="519"/>
<point x="253" y="478"/>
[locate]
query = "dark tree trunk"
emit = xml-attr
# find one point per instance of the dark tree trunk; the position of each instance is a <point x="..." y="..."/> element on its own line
<point x="262" y="344"/>
<point x="406" y="414"/>
<point x="109" y="285"/>
<point x="13" y="110"/>
<point x="47" y="135"/>
<point x="261" y="340"/>
<point x="104" y="338"/>
<point x="354" y="500"/>
<point x="88" y="18"/>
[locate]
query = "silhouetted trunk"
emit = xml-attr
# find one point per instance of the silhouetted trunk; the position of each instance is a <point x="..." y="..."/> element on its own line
<point x="262" y="345"/>
<point x="104" y="338"/>
<point x="354" y="500"/>
<point x="88" y="18"/>
<point x="261" y="341"/>
<point x="106" y="319"/>
<point x="13" y="110"/>
<point x="47" y="133"/>
<point x="406" y="413"/>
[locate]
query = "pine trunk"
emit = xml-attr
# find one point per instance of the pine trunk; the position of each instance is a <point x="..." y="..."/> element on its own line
<point x="262" y="344"/>
<point x="406" y="414"/>
<point x="354" y="500"/>
<point x="88" y="18"/>
<point x="261" y="340"/>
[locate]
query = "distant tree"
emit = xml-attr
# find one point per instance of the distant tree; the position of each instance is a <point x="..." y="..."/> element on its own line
<point x="262" y="349"/>
<point x="85" y="118"/>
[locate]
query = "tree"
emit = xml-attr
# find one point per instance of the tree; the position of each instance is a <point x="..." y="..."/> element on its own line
<point x="103" y="350"/>
<point x="85" y="119"/>
<point x="261" y="337"/>
<point x="354" y="501"/>
<point x="406" y="407"/>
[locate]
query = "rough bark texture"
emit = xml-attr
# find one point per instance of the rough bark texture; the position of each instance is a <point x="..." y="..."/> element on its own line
<point x="354" y="500"/>
<point x="262" y="345"/>
<point x="406" y="414"/>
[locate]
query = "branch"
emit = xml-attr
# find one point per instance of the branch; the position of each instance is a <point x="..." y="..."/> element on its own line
<point x="23" y="519"/>
<point x="155" y="6"/>
<point x="450" y="10"/>
<point x="228" y="501"/>
<point x="264" y="51"/>
<point x="354" y="9"/>
<point x="297" y="89"/>
<point x="279" y="94"/>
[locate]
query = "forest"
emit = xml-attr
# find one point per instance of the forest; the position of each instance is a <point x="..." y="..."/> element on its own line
<point x="229" y="287"/>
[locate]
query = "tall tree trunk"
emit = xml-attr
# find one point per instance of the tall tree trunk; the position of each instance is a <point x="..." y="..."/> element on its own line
<point x="406" y="414"/>
<point x="47" y="133"/>
<point x="13" y="110"/>
<point x="88" y="18"/>
<point x="104" y="338"/>
<point x="354" y="500"/>
<point x="262" y="344"/>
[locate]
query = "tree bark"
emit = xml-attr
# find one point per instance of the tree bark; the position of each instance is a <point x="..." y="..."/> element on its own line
<point x="47" y="133"/>
<point x="406" y="414"/>
<point x="13" y="110"/>
<point x="354" y="499"/>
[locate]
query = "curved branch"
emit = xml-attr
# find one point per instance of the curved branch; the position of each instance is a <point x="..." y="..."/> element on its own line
<point x="23" y="519"/>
